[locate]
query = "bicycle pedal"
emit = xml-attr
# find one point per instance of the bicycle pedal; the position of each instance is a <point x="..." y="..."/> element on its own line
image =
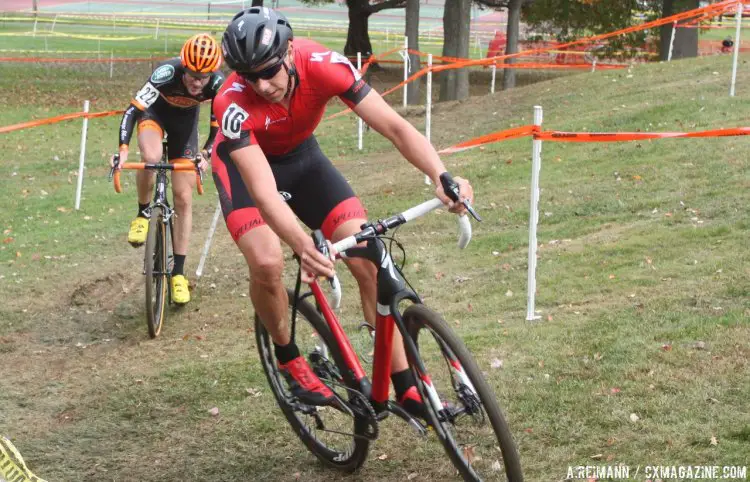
<point x="413" y="422"/>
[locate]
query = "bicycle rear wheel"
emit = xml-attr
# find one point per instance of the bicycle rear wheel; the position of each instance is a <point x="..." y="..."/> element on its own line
<point x="156" y="271"/>
<point x="461" y="407"/>
<point x="336" y="438"/>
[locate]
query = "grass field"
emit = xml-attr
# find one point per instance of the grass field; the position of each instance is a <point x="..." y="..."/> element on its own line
<point x="641" y="355"/>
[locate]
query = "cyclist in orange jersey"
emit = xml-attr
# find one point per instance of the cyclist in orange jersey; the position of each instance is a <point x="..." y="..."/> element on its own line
<point x="169" y="103"/>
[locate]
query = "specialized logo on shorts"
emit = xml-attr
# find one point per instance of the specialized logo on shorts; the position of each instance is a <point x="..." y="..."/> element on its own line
<point x="231" y="122"/>
<point x="162" y="74"/>
<point x="285" y="196"/>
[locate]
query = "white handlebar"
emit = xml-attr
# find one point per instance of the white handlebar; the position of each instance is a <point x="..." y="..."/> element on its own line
<point x="464" y="228"/>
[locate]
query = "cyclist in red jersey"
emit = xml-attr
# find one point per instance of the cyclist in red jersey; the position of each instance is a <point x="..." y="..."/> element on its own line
<point x="268" y="168"/>
<point x="170" y="102"/>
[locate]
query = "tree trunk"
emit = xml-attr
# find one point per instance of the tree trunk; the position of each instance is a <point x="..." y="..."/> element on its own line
<point x="412" y="34"/>
<point x="511" y="45"/>
<point x="257" y="3"/>
<point x="358" y="35"/>
<point x="686" y="39"/>
<point x="454" y="84"/>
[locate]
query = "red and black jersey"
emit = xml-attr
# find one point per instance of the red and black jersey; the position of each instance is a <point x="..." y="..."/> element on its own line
<point x="245" y="118"/>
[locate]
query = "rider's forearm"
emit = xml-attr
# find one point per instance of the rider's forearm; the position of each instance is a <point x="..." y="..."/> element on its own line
<point x="127" y="125"/>
<point x="208" y="146"/>
<point x="281" y="219"/>
<point x="417" y="150"/>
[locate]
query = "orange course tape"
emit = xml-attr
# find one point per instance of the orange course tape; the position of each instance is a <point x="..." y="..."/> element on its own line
<point x="635" y="136"/>
<point x="60" y="118"/>
<point x="79" y="61"/>
<point x="504" y="135"/>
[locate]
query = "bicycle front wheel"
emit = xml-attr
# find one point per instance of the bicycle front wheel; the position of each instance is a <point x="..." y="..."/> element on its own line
<point x="461" y="407"/>
<point x="336" y="438"/>
<point x="155" y="263"/>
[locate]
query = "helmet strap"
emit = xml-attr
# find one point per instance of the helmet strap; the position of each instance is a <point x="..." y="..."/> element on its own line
<point x="291" y="73"/>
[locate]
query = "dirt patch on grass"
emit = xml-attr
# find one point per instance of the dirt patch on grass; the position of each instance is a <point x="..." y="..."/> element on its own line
<point x="104" y="292"/>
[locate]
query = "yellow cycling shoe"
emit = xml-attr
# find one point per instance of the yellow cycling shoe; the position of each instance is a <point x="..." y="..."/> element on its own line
<point x="12" y="465"/>
<point x="180" y="291"/>
<point x="138" y="231"/>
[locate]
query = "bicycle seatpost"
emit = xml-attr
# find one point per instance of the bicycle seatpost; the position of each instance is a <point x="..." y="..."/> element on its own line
<point x="451" y="189"/>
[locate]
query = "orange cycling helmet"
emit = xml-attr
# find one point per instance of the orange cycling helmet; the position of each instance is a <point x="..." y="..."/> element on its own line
<point x="201" y="54"/>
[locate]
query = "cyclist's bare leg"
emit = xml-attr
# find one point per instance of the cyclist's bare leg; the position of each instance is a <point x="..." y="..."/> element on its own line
<point x="149" y="143"/>
<point x="183" y="184"/>
<point x="366" y="275"/>
<point x="262" y="250"/>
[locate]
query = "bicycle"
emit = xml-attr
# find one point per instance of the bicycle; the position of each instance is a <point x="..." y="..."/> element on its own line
<point x="340" y="435"/>
<point x="158" y="258"/>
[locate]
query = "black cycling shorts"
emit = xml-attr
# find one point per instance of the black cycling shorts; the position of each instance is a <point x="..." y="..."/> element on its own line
<point x="181" y="126"/>
<point x="305" y="178"/>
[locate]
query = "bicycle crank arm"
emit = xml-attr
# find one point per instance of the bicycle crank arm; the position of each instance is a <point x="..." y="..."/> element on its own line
<point x="414" y="423"/>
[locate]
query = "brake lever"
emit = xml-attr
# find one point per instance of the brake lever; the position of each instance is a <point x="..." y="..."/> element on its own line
<point x="451" y="189"/>
<point x="473" y="213"/>
<point x="322" y="245"/>
<point x="115" y="164"/>
<point x="197" y="162"/>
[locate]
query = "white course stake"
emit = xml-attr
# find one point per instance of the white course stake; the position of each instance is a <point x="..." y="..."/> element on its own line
<point x="671" y="42"/>
<point x="360" y="126"/>
<point x="53" y="24"/>
<point x="736" y="48"/>
<point x="406" y="66"/>
<point x="536" y="165"/>
<point x="428" y="112"/>
<point x="81" y="159"/>
<point x="156" y="31"/>
<point x="111" y="63"/>
<point x="494" y="74"/>
<point x="209" y="238"/>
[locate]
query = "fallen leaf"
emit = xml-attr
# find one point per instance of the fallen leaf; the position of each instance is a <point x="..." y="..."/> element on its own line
<point x="597" y="456"/>
<point x="439" y="275"/>
<point x="700" y="345"/>
<point x="497" y="466"/>
<point x="611" y="276"/>
<point x="413" y="475"/>
<point x="214" y="411"/>
<point x="7" y="240"/>
<point x="637" y="177"/>
<point x="382" y="457"/>
<point x="634" y="418"/>
<point x="597" y="356"/>
<point x="549" y="317"/>
<point x="186" y="337"/>
<point x="18" y="254"/>
<point x="666" y="347"/>
<point x="469" y="454"/>
<point x="614" y="390"/>
<point x="509" y="293"/>
<point x="714" y="441"/>
<point x="62" y="209"/>
<point x="496" y="363"/>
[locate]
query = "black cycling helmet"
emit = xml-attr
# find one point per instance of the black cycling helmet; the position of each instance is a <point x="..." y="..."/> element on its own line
<point x="255" y="36"/>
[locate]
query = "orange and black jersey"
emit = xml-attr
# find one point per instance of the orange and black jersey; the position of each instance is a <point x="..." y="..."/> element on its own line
<point x="164" y="95"/>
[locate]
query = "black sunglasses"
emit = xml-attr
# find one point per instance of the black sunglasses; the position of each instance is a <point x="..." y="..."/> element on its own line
<point x="266" y="74"/>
